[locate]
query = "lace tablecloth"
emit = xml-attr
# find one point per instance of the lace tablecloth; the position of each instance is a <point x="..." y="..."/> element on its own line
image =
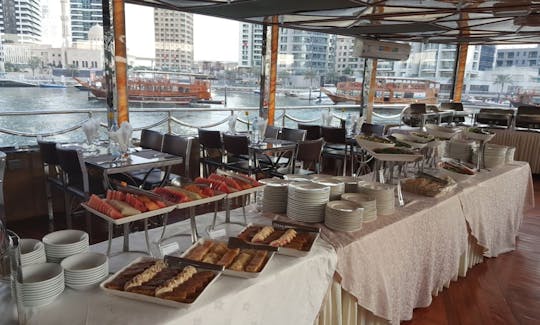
<point x="527" y="145"/>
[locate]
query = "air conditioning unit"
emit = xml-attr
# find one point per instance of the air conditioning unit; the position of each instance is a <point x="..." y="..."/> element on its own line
<point x="381" y="50"/>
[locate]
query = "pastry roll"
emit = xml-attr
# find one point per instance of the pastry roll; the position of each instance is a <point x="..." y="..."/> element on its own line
<point x="256" y="263"/>
<point x="229" y="257"/>
<point x="145" y="276"/>
<point x="284" y="239"/>
<point x="198" y="253"/>
<point x="240" y="262"/>
<point x="211" y="258"/>
<point x="219" y="249"/>
<point x="262" y="234"/>
<point x="170" y="284"/>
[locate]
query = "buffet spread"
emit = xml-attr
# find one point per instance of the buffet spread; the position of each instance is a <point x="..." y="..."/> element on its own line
<point x="293" y="214"/>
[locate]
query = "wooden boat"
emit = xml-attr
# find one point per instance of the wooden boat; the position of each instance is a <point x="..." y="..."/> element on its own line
<point x="159" y="89"/>
<point x="389" y="90"/>
<point x="52" y="85"/>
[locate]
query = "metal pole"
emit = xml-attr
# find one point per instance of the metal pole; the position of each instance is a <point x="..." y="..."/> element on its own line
<point x="461" y="57"/>
<point x="120" y="58"/>
<point x="262" y="82"/>
<point x="108" y="69"/>
<point x="273" y="71"/>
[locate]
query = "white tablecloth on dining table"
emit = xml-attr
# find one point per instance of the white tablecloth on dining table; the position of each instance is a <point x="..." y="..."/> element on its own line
<point x="290" y="291"/>
<point x="376" y="285"/>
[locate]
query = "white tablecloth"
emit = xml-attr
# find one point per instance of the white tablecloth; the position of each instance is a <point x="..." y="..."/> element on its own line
<point x="290" y="291"/>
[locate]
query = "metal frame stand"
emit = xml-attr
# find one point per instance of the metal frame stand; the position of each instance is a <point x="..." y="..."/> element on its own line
<point x="125" y="245"/>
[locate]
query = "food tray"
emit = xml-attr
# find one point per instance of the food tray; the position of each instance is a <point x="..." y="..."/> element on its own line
<point x="140" y="216"/>
<point x="244" y="192"/>
<point x="479" y="136"/>
<point x="396" y="157"/>
<point x="286" y="225"/>
<point x="370" y="145"/>
<point x="155" y="300"/>
<point x="217" y="197"/>
<point x="226" y="271"/>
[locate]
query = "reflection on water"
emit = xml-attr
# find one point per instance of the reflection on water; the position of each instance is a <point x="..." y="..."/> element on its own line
<point x="32" y="99"/>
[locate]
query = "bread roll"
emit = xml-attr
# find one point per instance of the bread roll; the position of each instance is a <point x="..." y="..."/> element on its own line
<point x="240" y="262"/>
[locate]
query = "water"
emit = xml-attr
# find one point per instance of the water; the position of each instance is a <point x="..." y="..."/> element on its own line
<point x="51" y="99"/>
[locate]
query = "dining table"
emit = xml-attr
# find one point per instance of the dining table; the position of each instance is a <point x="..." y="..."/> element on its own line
<point x="273" y="150"/>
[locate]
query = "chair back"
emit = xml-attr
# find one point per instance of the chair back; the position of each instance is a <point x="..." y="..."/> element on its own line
<point x="313" y="132"/>
<point x="73" y="167"/>
<point x="309" y="152"/>
<point x="151" y="139"/>
<point x="372" y="129"/>
<point x="236" y="144"/>
<point x="294" y="135"/>
<point x="271" y="132"/>
<point x="455" y="106"/>
<point x="418" y="108"/>
<point x="48" y="152"/>
<point x="333" y="135"/>
<point x="179" y="146"/>
<point x="210" y="139"/>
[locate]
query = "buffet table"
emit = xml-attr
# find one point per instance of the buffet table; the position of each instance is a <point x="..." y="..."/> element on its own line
<point x="527" y="145"/>
<point x="289" y="291"/>
<point x="374" y="284"/>
<point x="380" y="273"/>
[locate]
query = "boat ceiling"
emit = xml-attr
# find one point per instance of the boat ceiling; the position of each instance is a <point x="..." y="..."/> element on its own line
<point x="444" y="21"/>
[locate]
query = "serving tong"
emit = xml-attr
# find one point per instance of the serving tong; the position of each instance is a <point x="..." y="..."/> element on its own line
<point x="180" y="263"/>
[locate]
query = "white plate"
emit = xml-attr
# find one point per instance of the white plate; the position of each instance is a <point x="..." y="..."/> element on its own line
<point x="370" y="145"/>
<point x="65" y="237"/>
<point x="84" y="262"/>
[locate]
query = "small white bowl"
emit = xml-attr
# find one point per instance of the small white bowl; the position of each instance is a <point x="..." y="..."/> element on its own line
<point x="65" y="237"/>
<point x="84" y="262"/>
<point x="29" y="246"/>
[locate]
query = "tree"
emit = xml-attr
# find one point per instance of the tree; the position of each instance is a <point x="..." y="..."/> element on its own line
<point x="34" y="63"/>
<point x="502" y="79"/>
<point x="348" y="71"/>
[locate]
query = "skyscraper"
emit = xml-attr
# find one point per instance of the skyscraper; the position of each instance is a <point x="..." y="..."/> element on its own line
<point x="173" y="31"/>
<point x="20" y="20"/>
<point x="84" y="14"/>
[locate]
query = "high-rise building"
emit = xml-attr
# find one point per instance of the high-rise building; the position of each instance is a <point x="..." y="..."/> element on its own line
<point x="299" y="51"/>
<point x="84" y="14"/>
<point x="518" y="57"/>
<point x="20" y="20"/>
<point x="345" y="62"/>
<point x="173" y="32"/>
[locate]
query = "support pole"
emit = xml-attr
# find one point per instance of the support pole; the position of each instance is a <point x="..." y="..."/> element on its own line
<point x="262" y="82"/>
<point x="273" y="71"/>
<point x="120" y="58"/>
<point x="459" y="73"/>
<point x="371" y="93"/>
<point x="108" y="69"/>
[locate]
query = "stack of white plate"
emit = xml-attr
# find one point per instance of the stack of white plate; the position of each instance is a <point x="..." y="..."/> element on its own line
<point x="494" y="155"/>
<point x="351" y="182"/>
<point x="365" y="201"/>
<point x="85" y="270"/>
<point x="275" y="195"/>
<point x="64" y="243"/>
<point x="41" y="284"/>
<point x="383" y="194"/>
<point x="306" y="201"/>
<point x="32" y="252"/>
<point x="343" y="216"/>
<point x="336" y="187"/>
<point x="460" y="149"/>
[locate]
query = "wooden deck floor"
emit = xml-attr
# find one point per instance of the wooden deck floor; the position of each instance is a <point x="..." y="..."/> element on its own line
<point x="502" y="290"/>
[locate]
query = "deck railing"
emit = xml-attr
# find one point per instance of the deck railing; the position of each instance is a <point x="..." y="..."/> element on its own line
<point x="173" y="117"/>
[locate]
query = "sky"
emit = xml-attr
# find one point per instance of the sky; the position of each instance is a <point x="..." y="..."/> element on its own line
<point x="214" y="39"/>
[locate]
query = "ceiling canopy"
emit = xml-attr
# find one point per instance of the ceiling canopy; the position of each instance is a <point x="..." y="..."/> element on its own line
<point x="435" y="21"/>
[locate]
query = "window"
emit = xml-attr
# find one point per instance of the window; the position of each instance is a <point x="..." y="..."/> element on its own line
<point x="510" y="55"/>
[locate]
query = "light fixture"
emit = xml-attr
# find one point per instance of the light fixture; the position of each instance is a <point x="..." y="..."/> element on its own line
<point x="511" y="8"/>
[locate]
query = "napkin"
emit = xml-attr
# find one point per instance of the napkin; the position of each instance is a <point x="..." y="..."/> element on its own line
<point x="261" y="126"/>
<point x="232" y="123"/>
<point x="326" y="118"/>
<point x="124" y="138"/>
<point x="91" y="129"/>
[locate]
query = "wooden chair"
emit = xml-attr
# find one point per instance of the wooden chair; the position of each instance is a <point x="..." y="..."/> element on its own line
<point x="211" y="150"/>
<point x="53" y="174"/>
<point x="313" y="132"/>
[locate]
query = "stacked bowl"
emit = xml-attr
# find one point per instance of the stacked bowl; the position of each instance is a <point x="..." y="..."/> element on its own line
<point x="336" y="187"/>
<point x="460" y="149"/>
<point x="383" y="194"/>
<point x="85" y="270"/>
<point x="64" y="243"/>
<point x="343" y="216"/>
<point x="32" y="252"/>
<point x="275" y="195"/>
<point x="41" y="284"/>
<point x="306" y="201"/>
<point x="365" y="201"/>
<point x="494" y="155"/>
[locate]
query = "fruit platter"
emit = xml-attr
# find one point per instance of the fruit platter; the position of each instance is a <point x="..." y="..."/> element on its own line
<point x="371" y="142"/>
<point x="127" y="205"/>
<point x="410" y="141"/>
<point x="396" y="154"/>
